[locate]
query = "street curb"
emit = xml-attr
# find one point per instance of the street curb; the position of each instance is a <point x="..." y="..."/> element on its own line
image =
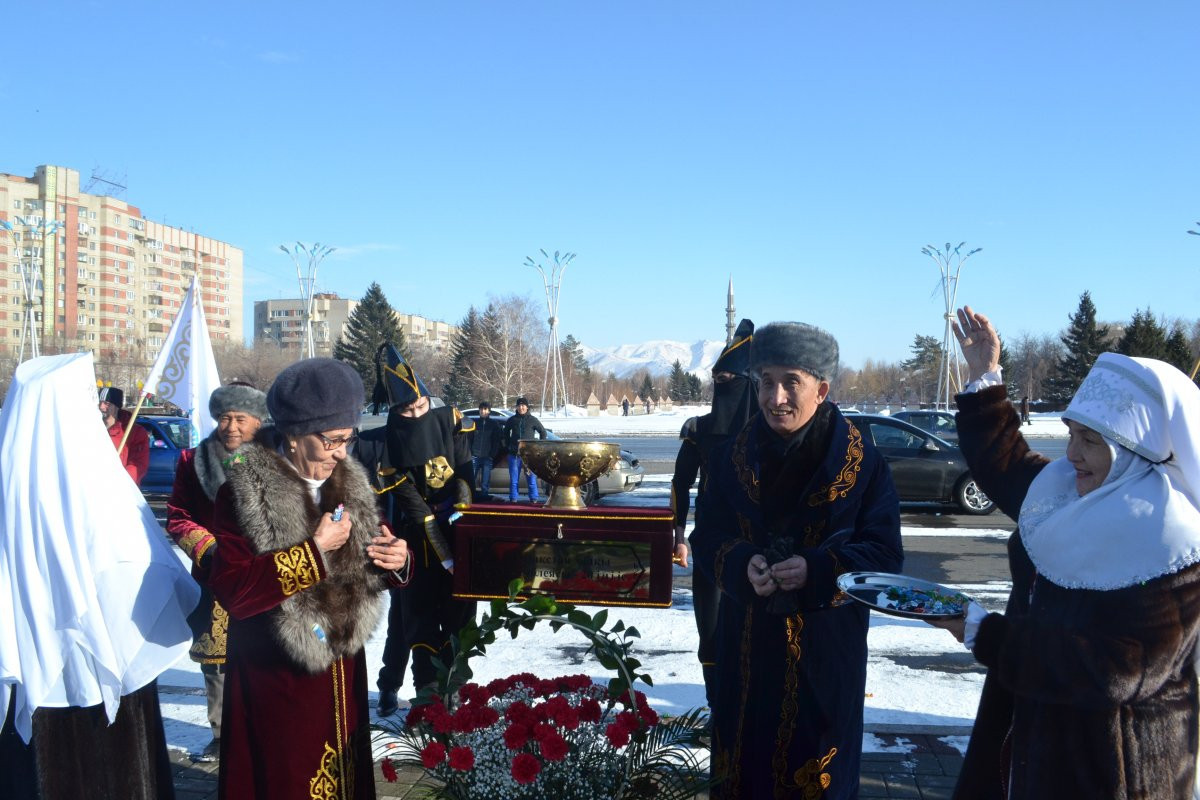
<point x="917" y="730"/>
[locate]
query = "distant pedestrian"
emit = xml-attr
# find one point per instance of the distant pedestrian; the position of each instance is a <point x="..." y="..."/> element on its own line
<point x="521" y="425"/>
<point x="485" y="446"/>
<point x="1025" y="410"/>
<point x="625" y="406"/>
<point x="646" y="403"/>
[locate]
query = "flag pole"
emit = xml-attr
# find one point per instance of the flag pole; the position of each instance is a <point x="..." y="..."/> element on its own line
<point x="129" y="427"/>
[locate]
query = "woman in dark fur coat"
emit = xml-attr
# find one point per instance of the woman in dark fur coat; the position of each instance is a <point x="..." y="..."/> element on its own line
<point x="1091" y="684"/>
<point x="299" y="564"/>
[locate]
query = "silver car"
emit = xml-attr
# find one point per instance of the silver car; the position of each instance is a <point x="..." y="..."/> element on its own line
<point x="624" y="477"/>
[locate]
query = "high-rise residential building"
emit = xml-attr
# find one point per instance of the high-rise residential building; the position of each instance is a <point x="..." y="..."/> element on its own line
<point x="114" y="280"/>
<point x="282" y="322"/>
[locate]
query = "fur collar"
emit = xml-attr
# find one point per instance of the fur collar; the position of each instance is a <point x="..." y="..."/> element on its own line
<point x="275" y="512"/>
<point x="209" y="471"/>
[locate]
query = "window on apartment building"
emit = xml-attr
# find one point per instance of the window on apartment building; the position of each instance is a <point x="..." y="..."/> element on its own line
<point x="16" y="205"/>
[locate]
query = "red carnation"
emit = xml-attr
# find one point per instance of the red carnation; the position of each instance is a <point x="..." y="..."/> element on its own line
<point x="542" y="731"/>
<point x="525" y="768"/>
<point x="433" y="754"/>
<point x="554" y="747"/>
<point x="589" y="710"/>
<point x="617" y="734"/>
<point x="516" y="735"/>
<point x="461" y="758"/>
<point x="568" y="718"/>
<point x="389" y="770"/>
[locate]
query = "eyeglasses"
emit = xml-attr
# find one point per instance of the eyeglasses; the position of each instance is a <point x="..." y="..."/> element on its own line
<point x="334" y="444"/>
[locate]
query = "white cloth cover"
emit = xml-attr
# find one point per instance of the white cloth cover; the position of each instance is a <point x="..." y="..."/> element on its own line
<point x="1143" y="521"/>
<point x="93" y="602"/>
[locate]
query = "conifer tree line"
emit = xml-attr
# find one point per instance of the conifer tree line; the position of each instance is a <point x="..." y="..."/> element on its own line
<point x="1047" y="368"/>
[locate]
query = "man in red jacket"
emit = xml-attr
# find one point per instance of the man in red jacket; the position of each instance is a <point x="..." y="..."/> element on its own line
<point x="135" y="456"/>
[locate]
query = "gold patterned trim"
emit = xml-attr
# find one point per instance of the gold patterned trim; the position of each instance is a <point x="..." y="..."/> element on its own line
<point x="589" y="514"/>
<point x="297" y="569"/>
<point x="812" y="779"/>
<point x="787" y="713"/>
<point x="745" y="472"/>
<point x="210" y="647"/>
<point x="735" y="777"/>
<point x="845" y="479"/>
<point x="393" y="485"/>
<point x="326" y="784"/>
<point x="193" y="539"/>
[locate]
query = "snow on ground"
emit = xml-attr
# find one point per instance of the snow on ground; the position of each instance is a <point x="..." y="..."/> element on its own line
<point x="901" y="696"/>
<point x="574" y="421"/>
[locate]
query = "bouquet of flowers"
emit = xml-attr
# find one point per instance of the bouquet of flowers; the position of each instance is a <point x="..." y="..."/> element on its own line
<point x="567" y="737"/>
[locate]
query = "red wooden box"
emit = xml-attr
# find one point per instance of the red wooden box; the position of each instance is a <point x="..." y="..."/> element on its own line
<point x="594" y="556"/>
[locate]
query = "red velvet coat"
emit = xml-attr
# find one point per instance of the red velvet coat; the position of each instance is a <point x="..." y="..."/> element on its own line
<point x="295" y="723"/>
<point x="135" y="456"/>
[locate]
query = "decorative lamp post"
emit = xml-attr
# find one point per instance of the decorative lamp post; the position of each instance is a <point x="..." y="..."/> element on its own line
<point x="1196" y="368"/>
<point x="554" y="379"/>
<point x="950" y="262"/>
<point x="38" y="229"/>
<point x="308" y="280"/>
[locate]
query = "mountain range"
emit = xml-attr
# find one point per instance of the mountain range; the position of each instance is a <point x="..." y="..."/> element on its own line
<point x="658" y="357"/>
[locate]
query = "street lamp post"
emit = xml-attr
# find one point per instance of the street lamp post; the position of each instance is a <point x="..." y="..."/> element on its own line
<point x="553" y="377"/>
<point x="950" y="262"/>
<point x="38" y="229"/>
<point x="312" y="256"/>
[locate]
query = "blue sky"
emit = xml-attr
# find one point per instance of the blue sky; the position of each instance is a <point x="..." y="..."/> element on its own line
<point x="807" y="149"/>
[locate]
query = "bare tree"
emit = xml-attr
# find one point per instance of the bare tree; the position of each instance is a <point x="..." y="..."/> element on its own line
<point x="257" y="366"/>
<point x="508" y="363"/>
<point x="1033" y="359"/>
<point x="431" y="363"/>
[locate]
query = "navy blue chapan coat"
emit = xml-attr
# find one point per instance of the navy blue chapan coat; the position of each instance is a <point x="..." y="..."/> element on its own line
<point x="791" y="669"/>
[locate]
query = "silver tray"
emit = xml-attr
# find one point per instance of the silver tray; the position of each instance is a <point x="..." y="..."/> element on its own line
<point x="872" y="589"/>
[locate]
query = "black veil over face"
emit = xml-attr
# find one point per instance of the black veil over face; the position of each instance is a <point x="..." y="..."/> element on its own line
<point x="733" y="400"/>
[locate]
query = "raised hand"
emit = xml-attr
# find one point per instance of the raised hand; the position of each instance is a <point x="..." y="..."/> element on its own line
<point x="978" y="340"/>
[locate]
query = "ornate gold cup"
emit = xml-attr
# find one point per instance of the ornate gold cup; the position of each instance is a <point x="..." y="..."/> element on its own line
<point x="566" y="465"/>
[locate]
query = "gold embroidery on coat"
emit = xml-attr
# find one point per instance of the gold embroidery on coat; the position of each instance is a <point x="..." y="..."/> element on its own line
<point x="734" y="786"/>
<point x="209" y="648"/>
<point x="787" y="713"/>
<point x="845" y="479"/>
<point x="745" y="472"/>
<point x="812" y="778"/>
<point x="813" y="533"/>
<point x="296" y="569"/>
<point x="438" y="472"/>
<point x="188" y="542"/>
<point x="326" y="784"/>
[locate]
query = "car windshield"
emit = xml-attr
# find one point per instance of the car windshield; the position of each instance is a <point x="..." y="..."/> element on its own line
<point x="179" y="431"/>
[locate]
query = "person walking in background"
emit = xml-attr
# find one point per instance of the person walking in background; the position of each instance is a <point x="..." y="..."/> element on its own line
<point x="239" y="410"/>
<point x="1025" y="410"/>
<point x="521" y="425"/>
<point x="625" y="406"/>
<point x="1091" y="669"/>
<point x="135" y="455"/>
<point x="420" y="466"/>
<point x="792" y="500"/>
<point x="300" y="564"/>
<point x="485" y="446"/>
<point x="732" y="405"/>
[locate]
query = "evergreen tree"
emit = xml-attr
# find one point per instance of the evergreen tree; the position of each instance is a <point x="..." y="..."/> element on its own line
<point x="647" y="388"/>
<point x="1083" y="343"/>
<point x="695" y="388"/>
<point x="924" y="365"/>
<point x="677" y="383"/>
<point x="372" y="323"/>
<point x="461" y="389"/>
<point x="574" y="355"/>
<point x="1144" y="337"/>
<point x="1179" y="352"/>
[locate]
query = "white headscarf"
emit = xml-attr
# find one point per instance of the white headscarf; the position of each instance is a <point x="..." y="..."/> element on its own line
<point x="1143" y="521"/>
<point x="93" y="600"/>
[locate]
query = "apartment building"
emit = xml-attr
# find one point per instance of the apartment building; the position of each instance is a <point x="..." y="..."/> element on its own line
<point x="282" y="322"/>
<point x="111" y="281"/>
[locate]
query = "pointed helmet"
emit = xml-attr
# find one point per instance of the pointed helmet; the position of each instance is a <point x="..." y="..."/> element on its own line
<point x="395" y="380"/>
<point x="735" y="357"/>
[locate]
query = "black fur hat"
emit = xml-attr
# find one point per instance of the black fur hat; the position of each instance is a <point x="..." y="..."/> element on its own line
<point x="314" y="395"/>
<point x="111" y="394"/>
<point x="238" y="397"/>
<point x="795" y="344"/>
<point x="735" y="358"/>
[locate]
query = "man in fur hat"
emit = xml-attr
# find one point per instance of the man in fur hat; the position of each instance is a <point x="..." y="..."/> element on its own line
<point x="135" y="455"/>
<point x="794" y="499"/>
<point x="732" y="405"/>
<point x="239" y="410"/>
<point x="420" y="464"/>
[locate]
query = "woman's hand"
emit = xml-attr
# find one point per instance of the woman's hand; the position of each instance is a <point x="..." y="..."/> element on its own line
<point x="791" y="573"/>
<point x="957" y="626"/>
<point x="760" y="577"/>
<point x="979" y="342"/>
<point x="387" y="552"/>
<point x="331" y="535"/>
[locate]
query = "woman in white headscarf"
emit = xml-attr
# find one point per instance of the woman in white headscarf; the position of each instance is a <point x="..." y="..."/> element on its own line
<point x="1091" y="685"/>
<point x="93" y="602"/>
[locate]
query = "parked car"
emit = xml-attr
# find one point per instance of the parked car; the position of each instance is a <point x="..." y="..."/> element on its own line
<point x="940" y="423"/>
<point x="925" y="468"/>
<point x="624" y="477"/>
<point x="169" y="436"/>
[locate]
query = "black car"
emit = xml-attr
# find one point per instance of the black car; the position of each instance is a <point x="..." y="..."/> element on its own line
<point x="939" y="423"/>
<point x="925" y="468"/>
<point x="169" y="436"/>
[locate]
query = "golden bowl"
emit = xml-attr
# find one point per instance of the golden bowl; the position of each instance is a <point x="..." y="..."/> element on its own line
<point x="566" y="465"/>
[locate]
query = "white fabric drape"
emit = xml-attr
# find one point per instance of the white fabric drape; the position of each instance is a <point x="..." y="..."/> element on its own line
<point x="96" y="598"/>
